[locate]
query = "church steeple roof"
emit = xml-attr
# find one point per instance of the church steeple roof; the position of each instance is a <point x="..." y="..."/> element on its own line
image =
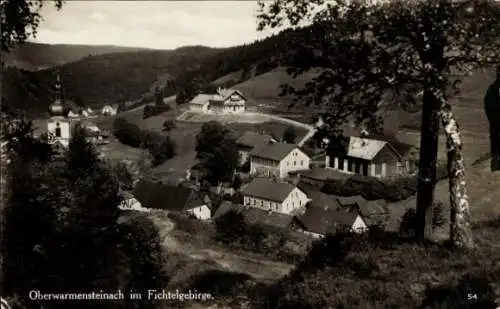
<point x="58" y="108"/>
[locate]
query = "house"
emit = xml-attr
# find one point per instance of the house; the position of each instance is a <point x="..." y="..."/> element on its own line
<point x="160" y="196"/>
<point x="256" y="216"/>
<point x="73" y="114"/>
<point x="224" y="101"/>
<point x="280" y="197"/>
<point x="109" y="110"/>
<point x="370" y="156"/>
<point x="374" y="212"/>
<point x="250" y="141"/>
<point x="277" y="160"/>
<point x="320" y="221"/>
<point x="129" y="202"/>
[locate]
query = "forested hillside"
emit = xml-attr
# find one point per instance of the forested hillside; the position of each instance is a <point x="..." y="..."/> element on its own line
<point x="37" y="56"/>
<point x="124" y="76"/>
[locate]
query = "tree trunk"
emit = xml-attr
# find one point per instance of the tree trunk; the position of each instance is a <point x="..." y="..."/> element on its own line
<point x="460" y="229"/>
<point x="429" y="133"/>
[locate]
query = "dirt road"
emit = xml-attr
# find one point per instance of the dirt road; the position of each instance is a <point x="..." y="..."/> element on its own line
<point x="259" y="268"/>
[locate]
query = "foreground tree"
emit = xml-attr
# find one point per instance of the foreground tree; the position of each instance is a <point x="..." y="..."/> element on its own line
<point x="20" y="19"/>
<point x="217" y="151"/>
<point x="289" y="135"/>
<point x="371" y="52"/>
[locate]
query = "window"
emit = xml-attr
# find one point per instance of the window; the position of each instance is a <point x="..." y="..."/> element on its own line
<point x="301" y="162"/>
<point x="350" y="165"/>
<point x="294" y="163"/>
<point x="378" y="169"/>
<point x="287" y="163"/>
<point x="58" y="130"/>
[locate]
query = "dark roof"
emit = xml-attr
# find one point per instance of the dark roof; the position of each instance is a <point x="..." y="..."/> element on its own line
<point x="275" y="151"/>
<point x="254" y="140"/>
<point x="366" y="208"/>
<point x="226" y="207"/>
<point x="268" y="189"/>
<point x="253" y="215"/>
<point x="320" y="199"/>
<point x="157" y="195"/>
<point x="322" y="220"/>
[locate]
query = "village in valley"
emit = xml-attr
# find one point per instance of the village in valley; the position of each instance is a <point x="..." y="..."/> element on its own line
<point x="217" y="178"/>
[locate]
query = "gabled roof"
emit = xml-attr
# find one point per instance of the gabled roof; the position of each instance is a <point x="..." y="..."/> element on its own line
<point x="253" y="215"/>
<point x="223" y="94"/>
<point x="364" y="148"/>
<point x="322" y="220"/>
<point x="157" y="195"/>
<point x="254" y="140"/>
<point x="320" y="199"/>
<point x="274" y="151"/>
<point x="365" y="207"/>
<point x="201" y="99"/>
<point x="268" y="189"/>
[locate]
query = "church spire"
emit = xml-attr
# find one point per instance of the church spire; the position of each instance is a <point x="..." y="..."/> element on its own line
<point x="57" y="108"/>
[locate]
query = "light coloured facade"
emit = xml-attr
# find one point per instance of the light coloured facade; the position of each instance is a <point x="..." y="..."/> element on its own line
<point x="294" y="201"/>
<point x="374" y="158"/>
<point x="58" y="126"/>
<point x="225" y="101"/>
<point x="109" y="110"/>
<point x="269" y="165"/>
<point x="202" y="212"/>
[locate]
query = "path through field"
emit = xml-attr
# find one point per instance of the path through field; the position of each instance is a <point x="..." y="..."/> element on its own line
<point x="259" y="268"/>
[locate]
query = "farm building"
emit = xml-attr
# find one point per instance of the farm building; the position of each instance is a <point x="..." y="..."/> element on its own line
<point x="277" y="160"/>
<point x="225" y="101"/>
<point x="374" y="157"/>
<point x="280" y="197"/>
<point x="160" y="196"/>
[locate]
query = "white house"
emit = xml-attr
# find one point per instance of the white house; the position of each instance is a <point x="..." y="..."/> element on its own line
<point x="169" y="197"/>
<point x="225" y="101"/>
<point x="129" y="202"/>
<point x="58" y="125"/>
<point x="320" y="221"/>
<point x="72" y="114"/>
<point x="275" y="196"/>
<point x="109" y="110"/>
<point x="277" y="160"/>
<point x="374" y="157"/>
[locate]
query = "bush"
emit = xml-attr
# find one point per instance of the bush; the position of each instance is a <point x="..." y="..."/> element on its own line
<point x="162" y="151"/>
<point x="127" y="133"/>
<point x="154" y="110"/>
<point x="168" y="125"/>
<point x="245" y="167"/>
<point x="391" y="190"/>
<point x="408" y="221"/>
<point x="230" y="227"/>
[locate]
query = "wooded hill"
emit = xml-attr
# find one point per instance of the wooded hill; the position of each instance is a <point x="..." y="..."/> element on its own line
<point x="116" y="77"/>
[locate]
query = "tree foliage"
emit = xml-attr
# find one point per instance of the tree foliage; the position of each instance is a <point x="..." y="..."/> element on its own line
<point x="289" y="135"/>
<point x="75" y="241"/>
<point x="217" y="151"/>
<point x="20" y="19"/>
<point x="372" y="54"/>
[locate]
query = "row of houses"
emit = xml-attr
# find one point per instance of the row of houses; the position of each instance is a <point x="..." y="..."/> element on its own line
<point x="266" y="202"/>
<point x="368" y="156"/>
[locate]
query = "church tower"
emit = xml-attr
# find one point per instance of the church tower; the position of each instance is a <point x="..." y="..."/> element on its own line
<point x="58" y="126"/>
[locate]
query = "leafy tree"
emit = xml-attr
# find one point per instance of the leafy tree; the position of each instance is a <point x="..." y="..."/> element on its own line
<point x="217" y="151"/>
<point x="289" y="135"/>
<point x="158" y="97"/>
<point x="127" y="133"/>
<point x="372" y="52"/>
<point x="236" y="182"/>
<point x="20" y="19"/>
<point x="168" y="125"/>
<point x="124" y="176"/>
<point x="230" y="227"/>
<point x="162" y="151"/>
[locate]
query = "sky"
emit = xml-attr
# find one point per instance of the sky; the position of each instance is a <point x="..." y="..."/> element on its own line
<point x="150" y="24"/>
